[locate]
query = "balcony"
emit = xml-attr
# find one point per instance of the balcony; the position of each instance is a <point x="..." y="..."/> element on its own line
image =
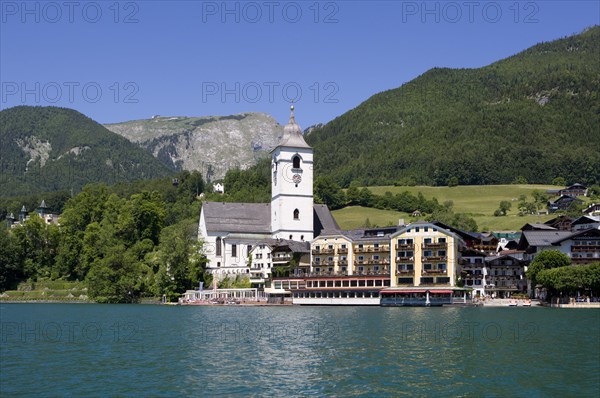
<point x="405" y="259"/>
<point x="405" y="272"/>
<point x="404" y="247"/>
<point x="324" y="274"/>
<point x="284" y="258"/>
<point x="435" y="272"/>
<point x="372" y="249"/>
<point x="585" y="248"/>
<point x="323" y="251"/>
<point x="343" y="250"/>
<point x="373" y="273"/>
<point x="434" y="259"/>
<point x="342" y="263"/>
<point x="434" y="246"/>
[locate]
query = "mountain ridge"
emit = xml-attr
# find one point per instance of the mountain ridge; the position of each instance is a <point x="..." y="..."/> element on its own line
<point x="211" y="144"/>
<point x="52" y="148"/>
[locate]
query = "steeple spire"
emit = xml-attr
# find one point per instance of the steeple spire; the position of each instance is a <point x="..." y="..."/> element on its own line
<point x="292" y="133"/>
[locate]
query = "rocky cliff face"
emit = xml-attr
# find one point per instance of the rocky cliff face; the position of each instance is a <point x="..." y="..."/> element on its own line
<point x="211" y="144"/>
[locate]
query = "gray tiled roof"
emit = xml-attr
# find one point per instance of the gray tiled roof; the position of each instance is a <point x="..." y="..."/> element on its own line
<point x="323" y="216"/>
<point x="544" y="238"/>
<point x="256" y="218"/>
<point x="237" y="217"/>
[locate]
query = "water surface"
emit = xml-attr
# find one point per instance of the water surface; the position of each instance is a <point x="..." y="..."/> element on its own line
<point x="50" y="350"/>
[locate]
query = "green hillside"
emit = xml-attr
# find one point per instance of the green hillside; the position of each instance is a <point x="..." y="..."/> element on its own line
<point x="535" y="115"/>
<point x="50" y="148"/>
<point x="478" y="202"/>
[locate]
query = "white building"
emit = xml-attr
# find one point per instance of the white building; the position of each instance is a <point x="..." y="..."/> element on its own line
<point x="231" y="231"/>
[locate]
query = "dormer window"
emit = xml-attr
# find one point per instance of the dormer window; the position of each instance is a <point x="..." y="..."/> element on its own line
<point x="296" y="162"/>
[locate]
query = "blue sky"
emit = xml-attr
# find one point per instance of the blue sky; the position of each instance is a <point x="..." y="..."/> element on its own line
<point x="117" y="61"/>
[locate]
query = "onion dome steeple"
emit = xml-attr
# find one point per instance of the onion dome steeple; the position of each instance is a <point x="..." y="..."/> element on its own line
<point x="292" y="134"/>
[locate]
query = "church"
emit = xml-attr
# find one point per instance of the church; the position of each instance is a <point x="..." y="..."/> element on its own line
<point x="251" y="238"/>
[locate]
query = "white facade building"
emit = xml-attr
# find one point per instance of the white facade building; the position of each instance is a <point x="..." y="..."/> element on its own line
<point x="231" y="231"/>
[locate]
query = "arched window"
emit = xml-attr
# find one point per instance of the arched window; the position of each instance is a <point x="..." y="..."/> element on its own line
<point x="296" y="162"/>
<point x="296" y="214"/>
<point x="219" y="245"/>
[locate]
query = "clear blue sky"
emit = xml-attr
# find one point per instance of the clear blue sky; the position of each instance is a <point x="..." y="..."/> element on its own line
<point x="197" y="58"/>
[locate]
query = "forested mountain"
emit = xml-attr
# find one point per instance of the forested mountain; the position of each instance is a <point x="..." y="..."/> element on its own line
<point x="535" y="115"/>
<point x="50" y="148"/>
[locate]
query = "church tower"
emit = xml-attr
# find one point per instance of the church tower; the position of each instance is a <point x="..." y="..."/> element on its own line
<point x="292" y="185"/>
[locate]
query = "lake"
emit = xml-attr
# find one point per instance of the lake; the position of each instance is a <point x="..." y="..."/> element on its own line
<point x="51" y="350"/>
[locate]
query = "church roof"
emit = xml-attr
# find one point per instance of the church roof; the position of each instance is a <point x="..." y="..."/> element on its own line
<point x="237" y="217"/>
<point x="255" y="218"/>
<point x="324" y="222"/>
<point x="292" y="134"/>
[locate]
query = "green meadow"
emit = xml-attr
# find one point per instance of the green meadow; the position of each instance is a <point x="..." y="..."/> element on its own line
<point x="479" y="202"/>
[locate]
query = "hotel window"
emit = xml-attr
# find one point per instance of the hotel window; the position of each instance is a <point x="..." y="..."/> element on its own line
<point x="426" y="229"/>
<point x="343" y="246"/>
<point x="426" y="280"/>
<point x="441" y="253"/>
<point x="478" y="281"/>
<point x="376" y="268"/>
<point x="441" y="240"/>
<point x="427" y="253"/>
<point x="317" y="269"/>
<point x="442" y="279"/>
<point x="427" y="267"/>
<point x="361" y="258"/>
<point x="317" y="259"/>
<point x="417" y="229"/>
<point x="405" y="281"/>
<point x="343" y="269"/>
<point x="427" y="240"/>
<point x="361" y="268"/>
<point x="219" y="245"/>
<point x="376" y="257"/>
<point x="330" y="259"/>
<point x="360" y="246"/>
<point x="343" y="258"/>
<point x="442" y="267"/>
<point x="296" y="214"/>
<point x="330" y="247"/>
<point x="376" y="245"/>
<point x="317" y="248"/>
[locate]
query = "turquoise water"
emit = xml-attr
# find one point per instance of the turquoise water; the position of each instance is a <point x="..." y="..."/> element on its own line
<point x="57" y="350"/>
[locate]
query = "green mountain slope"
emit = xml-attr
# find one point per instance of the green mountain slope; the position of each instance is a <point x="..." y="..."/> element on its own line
<point x="50" y="148"/>
<point x="535" y="115"/>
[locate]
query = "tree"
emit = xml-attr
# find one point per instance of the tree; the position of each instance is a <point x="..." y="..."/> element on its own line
<point x="180" y="266"/>
<point x="327" y="191"/>
<point x="520" y="180"/>
<point x="117" y="278"/>
<point x="11" y="265"/>
<point x="547" y="259"/>
<point x="453" y="182"/>
<point x="503" y="208"/>
<point x="559" y="181"/>
<point x="570" y="279"/>
<point x="540" y="199"/>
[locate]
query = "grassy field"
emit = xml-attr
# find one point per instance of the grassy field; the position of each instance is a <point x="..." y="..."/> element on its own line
<point x="479" y="202"/>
